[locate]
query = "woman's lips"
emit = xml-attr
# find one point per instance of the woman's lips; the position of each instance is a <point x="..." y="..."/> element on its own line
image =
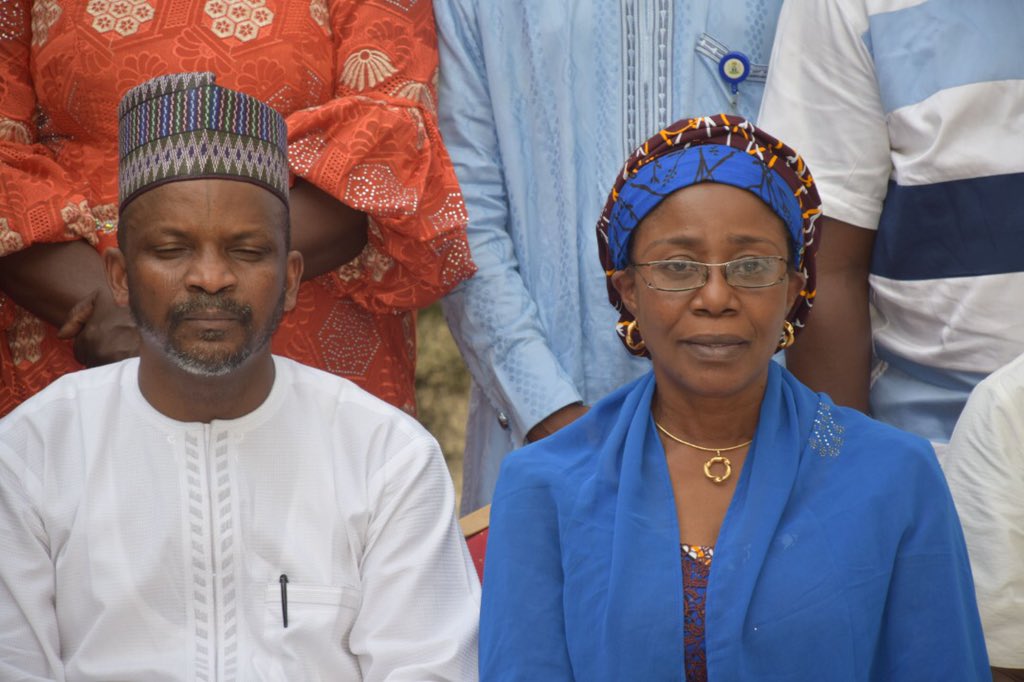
<point x="715" y="346"/>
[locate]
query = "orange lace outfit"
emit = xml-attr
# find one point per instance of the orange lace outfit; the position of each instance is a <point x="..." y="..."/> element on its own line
<point x="355" y="82"/>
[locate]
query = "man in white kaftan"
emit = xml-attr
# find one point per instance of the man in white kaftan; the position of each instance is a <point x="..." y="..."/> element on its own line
<point x="209" y="511"/>
<point x="138" y="547"/>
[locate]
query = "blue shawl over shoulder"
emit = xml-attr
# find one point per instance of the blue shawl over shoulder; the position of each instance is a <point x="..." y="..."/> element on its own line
<point x="840" y="557"/>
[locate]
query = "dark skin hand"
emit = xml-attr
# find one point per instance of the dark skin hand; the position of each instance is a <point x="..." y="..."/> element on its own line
<point x="325" y="231"/>
<point x="556" y="420"/>
<point x="1007" y="675"/>
<point x="65" y="285"/>
<point x="833" y="352"/>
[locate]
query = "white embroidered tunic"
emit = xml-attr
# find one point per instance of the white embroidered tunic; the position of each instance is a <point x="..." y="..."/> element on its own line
<point x="136" y="547"/>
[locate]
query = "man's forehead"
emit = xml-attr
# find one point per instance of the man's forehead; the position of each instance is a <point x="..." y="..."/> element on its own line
<point x="204" y="202"/>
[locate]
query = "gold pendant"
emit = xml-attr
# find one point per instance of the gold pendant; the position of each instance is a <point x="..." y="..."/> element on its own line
<point x="724" y="461"/>
<point x="717" y="459"/>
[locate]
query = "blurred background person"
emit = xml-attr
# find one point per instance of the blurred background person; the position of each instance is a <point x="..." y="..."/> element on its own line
<point x="921" y="191"/>
<point x="375" y="205"/>
<point x="539" y="103"/>
<point x="985" y="470"/>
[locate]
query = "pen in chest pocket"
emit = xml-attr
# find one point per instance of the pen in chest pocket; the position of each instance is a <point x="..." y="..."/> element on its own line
<point x="284" y="599"/>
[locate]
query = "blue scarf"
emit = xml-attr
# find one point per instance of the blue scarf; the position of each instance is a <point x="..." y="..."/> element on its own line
<point x="840" y="557"/>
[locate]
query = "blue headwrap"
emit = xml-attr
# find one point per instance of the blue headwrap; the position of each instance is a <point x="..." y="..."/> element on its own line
<point x="653" y="182"/>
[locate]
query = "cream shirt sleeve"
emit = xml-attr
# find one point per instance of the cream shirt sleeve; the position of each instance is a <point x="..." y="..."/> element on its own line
<point x="421" y="596"/>
<point x="822" y="99"/>
<point x="985" y="469"/>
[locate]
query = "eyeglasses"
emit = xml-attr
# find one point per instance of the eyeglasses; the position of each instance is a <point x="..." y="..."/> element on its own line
<point x="685" y="275"/>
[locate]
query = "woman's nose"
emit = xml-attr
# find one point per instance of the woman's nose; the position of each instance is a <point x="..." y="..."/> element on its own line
<point x="717" y="295"/>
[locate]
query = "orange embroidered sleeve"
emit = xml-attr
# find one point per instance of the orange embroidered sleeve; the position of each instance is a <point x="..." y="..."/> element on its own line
<point x="376" y="147"/>
<point x="38" y="200"/>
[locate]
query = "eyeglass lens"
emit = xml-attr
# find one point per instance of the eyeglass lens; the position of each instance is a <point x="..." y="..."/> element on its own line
<point x="679" y="275"/>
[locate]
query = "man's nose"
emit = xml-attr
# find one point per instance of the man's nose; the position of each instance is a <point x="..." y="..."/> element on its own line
<point x="210" y="271"/>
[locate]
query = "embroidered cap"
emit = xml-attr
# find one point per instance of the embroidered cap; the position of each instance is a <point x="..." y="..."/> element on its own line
<point x="183" y="126"/>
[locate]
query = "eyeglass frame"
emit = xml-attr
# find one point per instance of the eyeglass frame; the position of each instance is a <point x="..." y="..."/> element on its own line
<point x="707" y="272"/>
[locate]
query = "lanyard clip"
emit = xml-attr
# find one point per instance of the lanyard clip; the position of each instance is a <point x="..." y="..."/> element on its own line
<point x="734" y="67"/>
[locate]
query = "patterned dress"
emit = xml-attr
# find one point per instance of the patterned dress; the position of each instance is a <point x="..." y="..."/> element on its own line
<point x="696" y="569"/>
<point x="355" y="82"/>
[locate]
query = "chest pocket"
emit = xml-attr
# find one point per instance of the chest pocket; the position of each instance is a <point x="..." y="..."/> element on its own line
<point x="320" y="618"/>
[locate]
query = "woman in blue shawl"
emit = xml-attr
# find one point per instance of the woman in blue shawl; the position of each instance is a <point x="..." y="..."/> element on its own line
<point x="716" y="519"/>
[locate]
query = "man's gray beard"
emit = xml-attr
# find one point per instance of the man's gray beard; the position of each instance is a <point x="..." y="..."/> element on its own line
<point x="200" y="366"/>
<point x="203" y="367"/>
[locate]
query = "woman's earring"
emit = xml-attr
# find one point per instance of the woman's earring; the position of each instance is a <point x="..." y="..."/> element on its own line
<point x="634" y="341"/>
<point x="788" y="335"/>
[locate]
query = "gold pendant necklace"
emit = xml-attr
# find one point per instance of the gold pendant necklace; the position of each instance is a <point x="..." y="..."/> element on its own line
<point x="717" y="459"/>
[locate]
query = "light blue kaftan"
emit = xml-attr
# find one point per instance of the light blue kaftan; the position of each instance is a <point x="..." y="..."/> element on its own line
<point x="540" y="103"/>
<point x="840" y="557"/>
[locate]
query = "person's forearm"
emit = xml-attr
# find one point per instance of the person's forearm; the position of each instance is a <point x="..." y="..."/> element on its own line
<point x="49" y="279"/>
<point x="833" y="352"/>
<point x="66" y="285"/>
<point x="556" y="420"/>
<point x="325" y="231"/>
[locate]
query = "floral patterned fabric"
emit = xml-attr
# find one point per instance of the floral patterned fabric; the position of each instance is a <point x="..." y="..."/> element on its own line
<point x="696" y="569"/>
<point x="355" y="82"/>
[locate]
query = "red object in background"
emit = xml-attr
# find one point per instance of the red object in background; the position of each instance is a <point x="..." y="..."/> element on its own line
<point x="477" y="548"/>
<point x="475" y="526"/>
